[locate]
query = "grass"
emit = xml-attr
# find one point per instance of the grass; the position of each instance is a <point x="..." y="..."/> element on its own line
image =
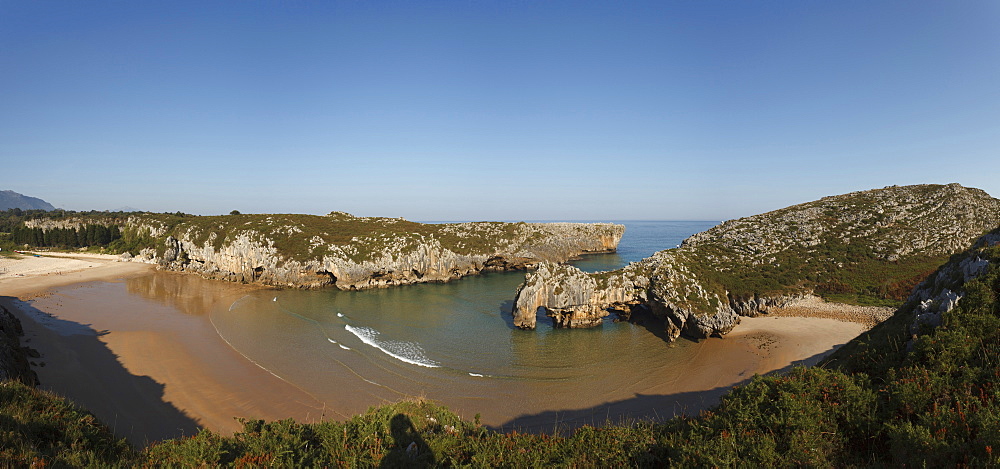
<point x="413" y="433"/>
<point x="304" y="237"/>
<point x="38" y="427"/>
<point x="296" y="237"/>
<point x="851" y="275"/>
<point x="853" y="248"/>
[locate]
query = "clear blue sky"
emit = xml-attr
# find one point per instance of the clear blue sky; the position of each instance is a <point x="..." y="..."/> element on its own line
<point x="483" y="109"/>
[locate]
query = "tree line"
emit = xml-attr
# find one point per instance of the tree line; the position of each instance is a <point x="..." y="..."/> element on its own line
<point x="13" y="217"/>
<point x="84" y="236"/>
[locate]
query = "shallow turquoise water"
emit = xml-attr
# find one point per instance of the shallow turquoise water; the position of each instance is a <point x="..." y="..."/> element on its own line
<point x="453" y="342"/>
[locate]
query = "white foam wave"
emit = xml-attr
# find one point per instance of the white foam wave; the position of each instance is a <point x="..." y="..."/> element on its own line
<point x="341" y="345"/>
<point x="477" y="375"/>
<point x="244" y="297"/>
<point x="275" y="299"/>
<point x="340" y="315"/>
<point x="408" y="352"/>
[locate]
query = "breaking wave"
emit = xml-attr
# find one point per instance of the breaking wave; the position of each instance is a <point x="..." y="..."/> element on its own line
<point x="338" y="343"/>
<point x="408" y="352"/>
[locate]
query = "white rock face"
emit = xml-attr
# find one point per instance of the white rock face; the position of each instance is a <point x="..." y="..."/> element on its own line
<point x="571" y="297"/>
<point x="943" y="291"/>
<point x="378" y="260"/>
<point x="886" y="224"/>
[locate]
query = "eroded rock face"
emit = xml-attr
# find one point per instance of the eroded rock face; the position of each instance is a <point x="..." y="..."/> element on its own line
<point x="576" y="299"/>
<point x="571" y="297"/>
<point x="697" y="288"/>
<point x="397" y="257"/>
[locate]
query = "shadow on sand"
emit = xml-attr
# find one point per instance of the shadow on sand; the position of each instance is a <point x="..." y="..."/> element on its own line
<point x="642" y="407"/>
<point x="85" y="371"/>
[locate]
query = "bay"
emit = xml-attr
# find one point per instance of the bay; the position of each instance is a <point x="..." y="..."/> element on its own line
<point x="455" y="343"/>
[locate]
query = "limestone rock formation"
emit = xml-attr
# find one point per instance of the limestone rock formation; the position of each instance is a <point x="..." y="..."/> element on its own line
<point x="942" y="291"/>
<point x="744" y="267"/>
<point x="571" y="297"/>
<point x="353" y="253"/>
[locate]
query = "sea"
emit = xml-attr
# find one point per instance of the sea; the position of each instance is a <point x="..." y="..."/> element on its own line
<point x="455" y="343"/>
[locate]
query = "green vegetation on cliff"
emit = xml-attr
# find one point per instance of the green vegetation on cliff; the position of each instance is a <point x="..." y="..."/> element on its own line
<point x="873" y="403"/>
<point x="870" y="247"/>
<point x="303" y="237"/>
<point x="297" y="236"/>
<point x="310" y="251"/>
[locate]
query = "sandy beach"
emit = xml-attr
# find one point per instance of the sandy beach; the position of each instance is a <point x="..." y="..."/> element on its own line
<point x="27" y="272"/>
<point x="148" y="370"/>
<point x="151" y="365"/>
<point x="814" y="307"/>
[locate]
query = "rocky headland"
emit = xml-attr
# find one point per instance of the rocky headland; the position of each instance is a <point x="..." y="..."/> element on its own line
<point x="866" y="246"/>
<point x="341" y="250"/>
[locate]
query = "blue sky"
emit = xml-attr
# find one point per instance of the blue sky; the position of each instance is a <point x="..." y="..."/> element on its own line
<point x="475" y="110"/>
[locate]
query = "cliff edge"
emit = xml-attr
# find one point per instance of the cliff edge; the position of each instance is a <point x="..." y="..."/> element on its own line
<point x="864" y="246"/>
<point x="352" y="253"/>
<point x="13" y="357"/>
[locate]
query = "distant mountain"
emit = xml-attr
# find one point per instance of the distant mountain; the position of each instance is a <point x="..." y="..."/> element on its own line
<point x="11" y="199"/>
<point x="126" y="209"/>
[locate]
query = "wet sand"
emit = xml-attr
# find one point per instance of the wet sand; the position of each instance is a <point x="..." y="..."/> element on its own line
<point x="756" y="346"/>
<point x="147" y="369"/>
<point x="151" y="365"/>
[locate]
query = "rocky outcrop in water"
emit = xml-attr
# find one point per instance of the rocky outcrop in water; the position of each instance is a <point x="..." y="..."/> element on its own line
<point x="864" y="243"/>
<point x="572" y="298"/>
<point x="354" y="253"/>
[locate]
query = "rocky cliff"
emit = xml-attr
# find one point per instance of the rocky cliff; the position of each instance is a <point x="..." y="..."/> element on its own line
<point x="866" y="245"/>
<point x="941" y="292"/>
<point x="13" y="359"/>
<point x="352" y="252"/>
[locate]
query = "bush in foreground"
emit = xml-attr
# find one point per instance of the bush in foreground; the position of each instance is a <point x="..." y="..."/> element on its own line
<point x="40" y="427"/>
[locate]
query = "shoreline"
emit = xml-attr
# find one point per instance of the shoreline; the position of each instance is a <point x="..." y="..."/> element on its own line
<point x="757" y="346"/>
<point x="29" y="273"/>
<point x="153" y="371"/>
<point x="145" y="378"/>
